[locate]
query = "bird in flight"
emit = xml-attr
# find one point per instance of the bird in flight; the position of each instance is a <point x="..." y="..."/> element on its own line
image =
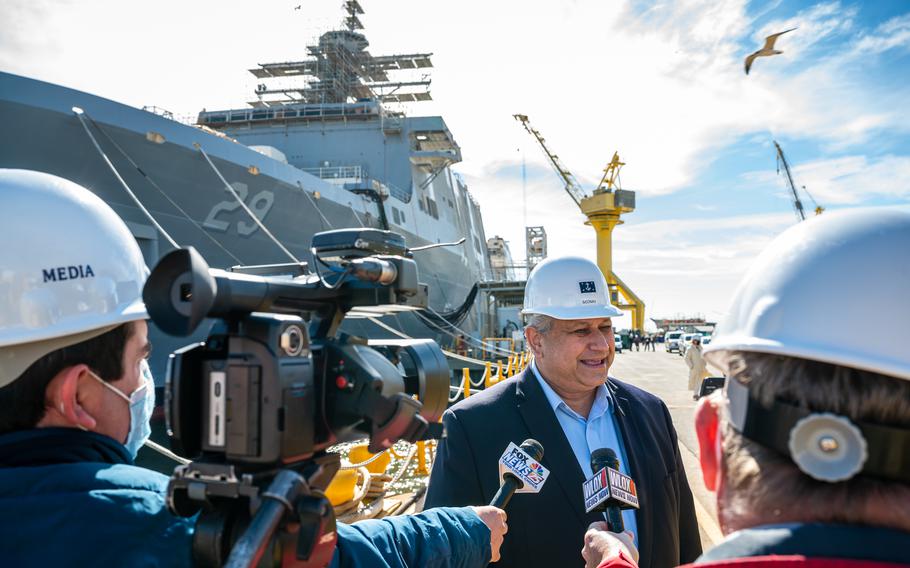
<point x="767" y="50"/>
<point x="297" y="7"/>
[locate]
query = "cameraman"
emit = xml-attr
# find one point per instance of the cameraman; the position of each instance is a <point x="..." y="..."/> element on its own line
<point x="808" y="446"/>
<point x="76" y="396"/>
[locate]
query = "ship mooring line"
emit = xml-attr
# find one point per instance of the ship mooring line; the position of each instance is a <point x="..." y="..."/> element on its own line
<point x="447" y="353"/>
<point x="315" y="206"/>
<point x="79" y="114"/>
<point x="255" y="219"/>
<point x="161" y="191"/>
<point x="166" y="452"/>
<point x="356" y="216"/>
<point x="482" y="344"/>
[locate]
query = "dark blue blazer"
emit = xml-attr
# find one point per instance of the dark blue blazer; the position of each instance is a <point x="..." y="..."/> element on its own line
<point x="547" y="529"/>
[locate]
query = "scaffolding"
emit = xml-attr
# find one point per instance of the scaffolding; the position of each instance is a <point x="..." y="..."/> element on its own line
<point x="535" y="246"/>
<point x="339" y="69"/>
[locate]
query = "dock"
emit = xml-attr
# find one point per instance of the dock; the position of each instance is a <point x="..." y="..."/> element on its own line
<point x="666" y="376"/>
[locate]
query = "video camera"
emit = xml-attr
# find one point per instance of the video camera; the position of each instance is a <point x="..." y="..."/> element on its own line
<point x="275" y="384"/>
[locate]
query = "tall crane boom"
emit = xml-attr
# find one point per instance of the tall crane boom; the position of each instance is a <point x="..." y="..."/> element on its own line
<point x="573" y="188"/>
<point x="800" y="212"/>
<point x="603" y="209"/>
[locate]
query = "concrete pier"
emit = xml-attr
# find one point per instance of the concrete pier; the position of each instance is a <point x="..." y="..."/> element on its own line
<point x="666" y="375"/>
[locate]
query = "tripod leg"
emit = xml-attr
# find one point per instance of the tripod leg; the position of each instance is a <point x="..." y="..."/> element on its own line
<point x="277" y="500"/>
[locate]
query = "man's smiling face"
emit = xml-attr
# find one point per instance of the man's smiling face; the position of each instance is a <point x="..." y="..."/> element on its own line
<point x="574" y="355"/>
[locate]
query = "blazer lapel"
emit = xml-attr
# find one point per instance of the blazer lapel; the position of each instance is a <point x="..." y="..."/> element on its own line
<point x="636" y="452"/>
<point x="545" y="428"/>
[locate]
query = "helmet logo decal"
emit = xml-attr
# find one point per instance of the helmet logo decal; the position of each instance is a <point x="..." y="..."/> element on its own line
<point x="587" y="287"/>
<point x="61" y="273"/>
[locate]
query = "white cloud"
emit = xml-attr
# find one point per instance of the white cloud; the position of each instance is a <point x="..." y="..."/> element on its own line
<point x="664" y="86"/>
<point x="846" y="180"/>
<point x="895" y="33"/>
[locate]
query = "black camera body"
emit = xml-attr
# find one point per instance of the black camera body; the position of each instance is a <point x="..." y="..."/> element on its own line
<point x="275" y="383"/>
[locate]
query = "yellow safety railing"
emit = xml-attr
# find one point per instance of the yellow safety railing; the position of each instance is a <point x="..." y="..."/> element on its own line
<point x="359" y="489"/>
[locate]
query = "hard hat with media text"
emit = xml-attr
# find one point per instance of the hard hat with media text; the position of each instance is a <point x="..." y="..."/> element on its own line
<point x="69" y="268"/>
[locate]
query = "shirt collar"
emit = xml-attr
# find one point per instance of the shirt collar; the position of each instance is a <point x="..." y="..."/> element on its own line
<point x="603" y="399"/>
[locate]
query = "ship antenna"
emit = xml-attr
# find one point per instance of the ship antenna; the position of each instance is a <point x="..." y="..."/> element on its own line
<point x="352" y="22"/>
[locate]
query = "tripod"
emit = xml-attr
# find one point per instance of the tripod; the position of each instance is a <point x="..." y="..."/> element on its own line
<point x="283" y="512"/>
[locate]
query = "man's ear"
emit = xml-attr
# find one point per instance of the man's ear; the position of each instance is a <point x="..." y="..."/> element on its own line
<point x="65" y="395"/>
<point x="707" y="430"/>
<point x="533" y="338"/>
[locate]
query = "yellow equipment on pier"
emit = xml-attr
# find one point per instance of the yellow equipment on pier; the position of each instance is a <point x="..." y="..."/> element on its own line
<point x="603" y="209"/>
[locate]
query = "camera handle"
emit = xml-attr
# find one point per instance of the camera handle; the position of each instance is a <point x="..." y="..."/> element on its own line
<point x="289" y="494"/>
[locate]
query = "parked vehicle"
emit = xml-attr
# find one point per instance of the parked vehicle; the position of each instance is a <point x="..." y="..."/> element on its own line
<point x="671" y="341"/>
<point x="617" y="340"/>
<point x="685" y="341"/>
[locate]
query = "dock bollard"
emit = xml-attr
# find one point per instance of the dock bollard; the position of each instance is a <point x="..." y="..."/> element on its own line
<point x="509" y="368"/>
<point x="488" y="376"/>
<point x="422" y="458"/>
<point x="466" y="381"/>
<point x="499" y="375"/>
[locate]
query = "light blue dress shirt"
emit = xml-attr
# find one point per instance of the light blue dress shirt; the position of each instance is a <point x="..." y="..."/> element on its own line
<point x="598" y="430"/>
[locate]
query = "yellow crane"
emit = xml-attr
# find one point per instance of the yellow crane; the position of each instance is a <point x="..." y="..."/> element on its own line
<point x="603" y="209"/>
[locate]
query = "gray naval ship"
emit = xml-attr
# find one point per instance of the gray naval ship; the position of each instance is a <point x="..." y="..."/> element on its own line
<point x="322" y="153"/>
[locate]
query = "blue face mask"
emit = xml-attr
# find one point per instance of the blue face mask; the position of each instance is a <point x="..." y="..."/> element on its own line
<point x="142" y="404"/>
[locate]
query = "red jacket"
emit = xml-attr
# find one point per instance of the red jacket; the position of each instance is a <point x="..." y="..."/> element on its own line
<point x="802" y="546"/>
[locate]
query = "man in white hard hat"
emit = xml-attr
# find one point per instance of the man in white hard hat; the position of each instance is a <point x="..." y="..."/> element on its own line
<point x="76" y="397"/>
<point x="808" y="445"/>
<point x="567" y="401"/>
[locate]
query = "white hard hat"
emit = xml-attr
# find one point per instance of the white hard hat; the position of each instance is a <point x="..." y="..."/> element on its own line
<point x="835" y="288"/>
<point x="568" y="288"/>
<point x="69" y="268"/>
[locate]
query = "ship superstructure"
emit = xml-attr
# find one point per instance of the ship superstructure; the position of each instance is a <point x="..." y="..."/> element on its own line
<point x="321" y="154"/>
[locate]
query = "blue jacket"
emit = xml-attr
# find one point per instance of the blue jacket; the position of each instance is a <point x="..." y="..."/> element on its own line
<point x="439" y="538"/>
<point x="73" y="498"/>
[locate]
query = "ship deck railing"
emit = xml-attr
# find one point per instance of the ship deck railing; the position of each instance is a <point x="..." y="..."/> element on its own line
<point x="291" y="112"/>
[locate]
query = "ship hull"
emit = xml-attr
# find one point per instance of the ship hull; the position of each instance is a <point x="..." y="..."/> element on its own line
<point x="160" y="160"/>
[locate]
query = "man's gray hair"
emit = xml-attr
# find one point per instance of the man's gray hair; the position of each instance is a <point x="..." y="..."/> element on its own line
<point x="540" y="322"/>
<point x="764" y="487"/>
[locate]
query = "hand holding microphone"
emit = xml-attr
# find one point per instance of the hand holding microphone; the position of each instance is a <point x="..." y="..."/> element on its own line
<point x="522" y="468"/>
<point x="495" y="519"/>
<point x="602" y="545"/>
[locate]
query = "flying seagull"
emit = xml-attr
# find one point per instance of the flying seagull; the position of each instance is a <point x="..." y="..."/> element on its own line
<point x="767" y="50"/>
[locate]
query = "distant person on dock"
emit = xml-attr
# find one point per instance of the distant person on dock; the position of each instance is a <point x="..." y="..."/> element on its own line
<point x="636" y="341"/>
<point x="76" y="396"/>
<point x="567" y="401"/>
<point x="808" y="445"/>
<point x="461" y="345"/>
<point x="649" y="344"/>
<point x="698" y="369"/>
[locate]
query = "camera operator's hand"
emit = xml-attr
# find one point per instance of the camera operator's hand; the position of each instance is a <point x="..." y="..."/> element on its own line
<point x="495" y="519"/>
<point x="602" y="545"/>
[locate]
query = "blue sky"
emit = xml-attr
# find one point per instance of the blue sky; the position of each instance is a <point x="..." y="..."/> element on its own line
<point x="662" y="83"/>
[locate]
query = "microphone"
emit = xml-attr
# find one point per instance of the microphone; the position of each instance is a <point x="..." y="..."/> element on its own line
<point x="600" y="459"/>
<point x="518" y="472"/>
<point x="609" y="490"/>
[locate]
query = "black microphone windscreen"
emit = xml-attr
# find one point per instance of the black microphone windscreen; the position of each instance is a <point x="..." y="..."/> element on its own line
<point x="603" y="457"/>
<point x="533" y="448"/>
